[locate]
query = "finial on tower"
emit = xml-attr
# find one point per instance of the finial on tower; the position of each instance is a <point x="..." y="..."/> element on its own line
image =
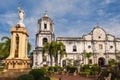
<point x="97" y="24"/>
<point x="46" y="14"/>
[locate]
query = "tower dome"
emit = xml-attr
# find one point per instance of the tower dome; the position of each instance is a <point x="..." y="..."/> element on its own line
<point x="45" y="18"/>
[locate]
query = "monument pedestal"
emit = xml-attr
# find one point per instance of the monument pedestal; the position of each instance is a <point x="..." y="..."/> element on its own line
<point x="17" y="65"/>
<point x="18" y="60"/>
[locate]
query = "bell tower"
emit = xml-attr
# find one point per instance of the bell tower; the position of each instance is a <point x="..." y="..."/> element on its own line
<point x="45" y="33"/>
<point x="45" y="30"/>
<point x="18" y="60"/>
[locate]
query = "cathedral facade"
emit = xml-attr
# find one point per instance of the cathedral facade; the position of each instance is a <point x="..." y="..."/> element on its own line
<point x="98" y="42"/>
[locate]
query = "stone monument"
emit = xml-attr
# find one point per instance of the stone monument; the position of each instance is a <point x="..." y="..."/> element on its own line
<point x="17" y="59"/>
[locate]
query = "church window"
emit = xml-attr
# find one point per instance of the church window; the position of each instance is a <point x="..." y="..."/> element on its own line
<point x="44" y="40"/>
<point x="64" y="48"/>
<point x="45" y="25"/>
<point x="111" y="47"/>
<point x="89" y="46"/>
<point x="39" y="27"/>
<point x="74" y="48"/>
<point x="100" y="46"/>
<point x="99" y="37"/>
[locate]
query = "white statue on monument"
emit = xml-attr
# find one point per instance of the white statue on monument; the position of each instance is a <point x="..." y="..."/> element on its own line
<point x="21" y="14"/>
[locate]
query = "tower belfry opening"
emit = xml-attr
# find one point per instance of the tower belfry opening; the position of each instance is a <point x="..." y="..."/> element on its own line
<point x="17" y="46"/>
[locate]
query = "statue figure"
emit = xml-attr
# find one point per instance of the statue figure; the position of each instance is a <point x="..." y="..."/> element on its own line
<point x="21" y="14"/>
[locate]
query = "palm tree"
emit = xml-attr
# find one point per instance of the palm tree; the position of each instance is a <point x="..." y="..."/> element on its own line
<point x="5" y="46"/>
<point x="1" y="53"/>
<point x="88" y="55"/>
<point x="49" y="49"/>
<point x="54" y="49"/>
<point x="58" y="48"/>
<point x="61" y="50"/>
<point x="29" y="48"/>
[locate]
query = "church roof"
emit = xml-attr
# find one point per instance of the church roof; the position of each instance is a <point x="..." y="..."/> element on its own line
<point x="68" y="38"/>
<point x="97" y="27"/>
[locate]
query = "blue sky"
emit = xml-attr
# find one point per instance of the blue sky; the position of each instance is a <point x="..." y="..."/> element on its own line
<point x="71" y="17"/>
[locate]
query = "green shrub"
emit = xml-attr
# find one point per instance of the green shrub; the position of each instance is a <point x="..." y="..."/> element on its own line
<point x="44" y="78"/>
<point x="37" y="73"/>
<point x="51" y="68"/>
<point x="57" y="68"/>
<point x="95" y="69"/>
<point x="71" y="69"/>
<point x="90" y="69"/>
<point x="112" y="62"/>
<point x="26" y="77"/>
<point x="43" y="71"/>
<point x="86" y="66"/>
<point x="1" y="69"/>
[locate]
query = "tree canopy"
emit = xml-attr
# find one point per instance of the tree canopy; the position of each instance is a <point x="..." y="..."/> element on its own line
<point x="54" y="49"/>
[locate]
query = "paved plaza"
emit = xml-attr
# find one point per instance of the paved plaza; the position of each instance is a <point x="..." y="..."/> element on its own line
<point x="72" y="77"/>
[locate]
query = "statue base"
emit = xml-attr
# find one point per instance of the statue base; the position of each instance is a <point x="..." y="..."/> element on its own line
<point x="17" y="64"/>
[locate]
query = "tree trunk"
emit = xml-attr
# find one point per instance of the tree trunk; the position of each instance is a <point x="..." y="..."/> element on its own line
<point x="51" y="62"/>
<point x="56" y="59"/>
<point x="60" y="61"/>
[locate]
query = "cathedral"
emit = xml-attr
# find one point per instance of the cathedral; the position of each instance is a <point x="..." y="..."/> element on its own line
<point x="102" y="45"/>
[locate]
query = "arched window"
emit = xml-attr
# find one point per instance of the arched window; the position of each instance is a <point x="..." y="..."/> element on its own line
<point x="64" y="48"/>
<point x="74" y="48"/>
<point x="45" y="25"/>
<point x="44" y="40"/>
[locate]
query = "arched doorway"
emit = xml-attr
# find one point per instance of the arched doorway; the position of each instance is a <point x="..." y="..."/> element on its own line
<point x="101" y="61"/>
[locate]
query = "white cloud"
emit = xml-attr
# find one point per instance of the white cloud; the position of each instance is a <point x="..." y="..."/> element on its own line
<point x="9" y="18"/>
<point x="55" y="7"/>
<point x="100" y="12"/>
<point x="31" y="25"/>
<point x="112" y="26"/>
<point x="108" y="1"/>
<point x="70" y="33"/>
<point x="58" y="10"/>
